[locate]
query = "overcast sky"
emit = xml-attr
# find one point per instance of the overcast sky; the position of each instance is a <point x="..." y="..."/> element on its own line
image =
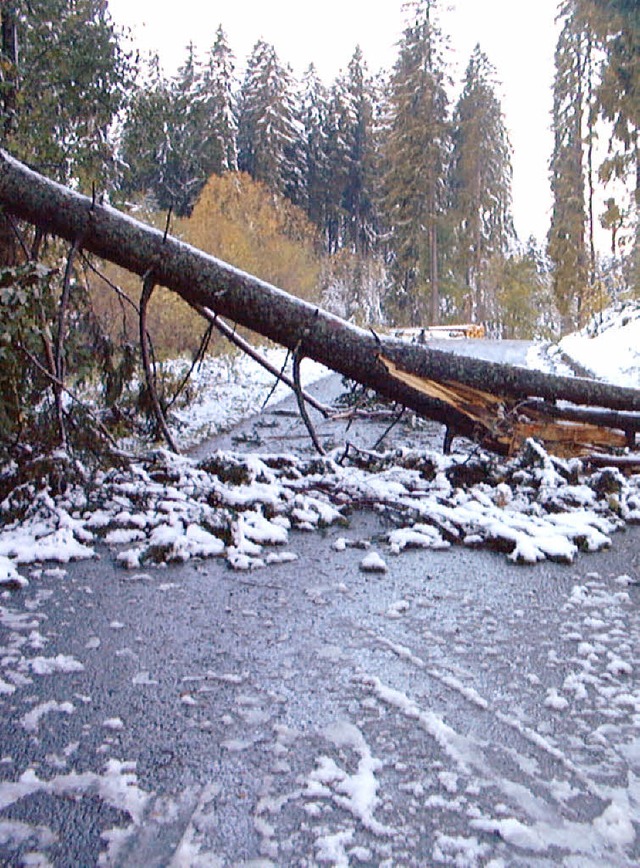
<point x="518" y="37"/>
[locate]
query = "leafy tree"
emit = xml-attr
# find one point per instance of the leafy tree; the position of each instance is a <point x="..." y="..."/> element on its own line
<point x="27" y="306"/>
<point x="241" y="221"/>
<point x="415" y="155"/>
<point x="269" y="129"/>
<point x="64" y="78"/>
<point x="523" y="300"/>
<point x="480" y="181"/>
<point x="236" y="219"/>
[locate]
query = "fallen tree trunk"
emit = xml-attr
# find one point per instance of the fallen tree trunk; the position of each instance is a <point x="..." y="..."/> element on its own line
<point x="392" y="368"/>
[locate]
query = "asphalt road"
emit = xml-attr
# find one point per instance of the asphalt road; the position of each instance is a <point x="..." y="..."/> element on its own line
<point x="453" y="710"/>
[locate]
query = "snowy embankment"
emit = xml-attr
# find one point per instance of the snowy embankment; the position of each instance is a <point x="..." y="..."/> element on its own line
<point x="608" y="348"/>
<point x="242" y="508"/>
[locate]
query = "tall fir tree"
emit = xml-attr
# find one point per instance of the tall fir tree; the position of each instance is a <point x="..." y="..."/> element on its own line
<point x="351" y="219"/>
<point x="185" y="169"/>
<point x="616" y="24"/>
<point x="415" y="154"/>
<point x="215" y="93"/>
<point x="144" y="137"/>
<point x="269" y="128"/>
<point x="314" y="108"/>
<point x="65" y="77"/>
<point x="339" y="130"/>
<point x="358" y="197"/>
<point x="567" y="246"/>
<point x="480" y="182"/>
<point x="181" y="131"/>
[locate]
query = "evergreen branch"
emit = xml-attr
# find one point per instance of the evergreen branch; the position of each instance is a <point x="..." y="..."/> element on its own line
<point x="60" y="385"/>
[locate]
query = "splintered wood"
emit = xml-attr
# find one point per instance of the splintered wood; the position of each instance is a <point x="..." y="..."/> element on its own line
<point x="507" y="423"/>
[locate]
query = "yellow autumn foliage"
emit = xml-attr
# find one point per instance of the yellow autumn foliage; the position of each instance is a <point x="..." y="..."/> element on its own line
<point x="237" y="220"/>
<point x="242" y="222"/>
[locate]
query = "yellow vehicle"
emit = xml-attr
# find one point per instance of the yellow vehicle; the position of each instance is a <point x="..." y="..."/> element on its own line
<point x="467" y="330"/>
<point x="421" y="335"/>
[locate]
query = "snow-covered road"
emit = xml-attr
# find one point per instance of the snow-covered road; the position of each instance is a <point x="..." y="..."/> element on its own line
<point x="448" y="708"/>
<point x="453" y="710"/>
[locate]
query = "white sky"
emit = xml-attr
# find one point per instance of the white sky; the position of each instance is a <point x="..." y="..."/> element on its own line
<point x="518" y="37"/>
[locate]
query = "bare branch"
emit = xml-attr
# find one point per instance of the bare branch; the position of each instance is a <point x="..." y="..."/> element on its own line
<point x="238" y="341"/>
<point x="59" y="344"/>
<point x="302" y="406"/>
<point x="147" y="289"/>
<point x="59" y="384"/>
<point x="389" y="428"/>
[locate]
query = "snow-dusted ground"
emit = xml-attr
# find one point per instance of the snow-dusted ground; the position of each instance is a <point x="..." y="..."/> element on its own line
<point x="377" y="693"/>
<point x="450" y="710"/>
<point x="227" y="389"/>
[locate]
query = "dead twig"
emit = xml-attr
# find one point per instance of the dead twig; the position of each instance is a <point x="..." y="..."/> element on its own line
<point x="301" y="404"/>
<point x="238" y="341"/>
<point x="199" y="356"/>
<point x="389" y="428"/>
<point x="18" y="234"/>
<point x="279" y="375"/>
<point x="148" y="286"/>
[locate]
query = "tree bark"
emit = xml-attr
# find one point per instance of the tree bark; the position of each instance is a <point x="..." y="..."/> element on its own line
<point x="380" y="363"/>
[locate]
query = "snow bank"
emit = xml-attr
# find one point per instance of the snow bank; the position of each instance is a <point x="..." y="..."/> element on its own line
<point x="608" y="348"/>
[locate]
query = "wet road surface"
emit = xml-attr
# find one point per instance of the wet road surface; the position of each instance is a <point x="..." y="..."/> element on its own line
<point x="454" y="710"/>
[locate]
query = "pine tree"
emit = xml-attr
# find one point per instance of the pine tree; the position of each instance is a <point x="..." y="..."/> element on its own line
<point x="351" y="218"/>
<point x="480" y="182"/>
<point x="314" y="110"/>
<point x="567" y="235"/>
<point x="616" y="24"/>
<point x="597" y="79"/>
<point x="338" y="154"/>
<point x="179" y="132"/>
<point x="185" y="164"/>
<point x="269" y="129"/>
<point x="215" y="93"/>
<point x="65" y="78"/>
<point x="358" y="196"/>
<point x="144" y="138"/>
<point x="415" y="153"/>
<point x="162" y="142"/>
